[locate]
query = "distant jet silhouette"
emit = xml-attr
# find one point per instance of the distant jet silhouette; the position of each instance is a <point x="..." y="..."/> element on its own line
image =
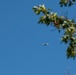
<point x="45" y="44"/>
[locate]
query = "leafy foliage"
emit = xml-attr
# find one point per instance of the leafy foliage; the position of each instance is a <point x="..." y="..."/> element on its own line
<point x="67" y="2"/>
<point x="60" y="23"/>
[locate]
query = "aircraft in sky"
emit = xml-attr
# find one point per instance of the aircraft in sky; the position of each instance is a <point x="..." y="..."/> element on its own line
<point x="45" y="44"/>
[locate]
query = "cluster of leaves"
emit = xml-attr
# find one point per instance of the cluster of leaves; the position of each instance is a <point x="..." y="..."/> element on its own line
<point x="67" y="2"/>
<point x="60" y="23"/>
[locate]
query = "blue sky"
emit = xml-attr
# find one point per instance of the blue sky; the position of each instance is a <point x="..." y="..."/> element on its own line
<point x="21" y="38"/>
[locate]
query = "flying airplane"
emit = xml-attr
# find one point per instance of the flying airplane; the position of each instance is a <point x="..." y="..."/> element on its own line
<point x="45" y="44"/>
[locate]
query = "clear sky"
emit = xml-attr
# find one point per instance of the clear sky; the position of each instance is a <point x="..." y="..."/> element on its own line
<point x="21" y="38"/>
